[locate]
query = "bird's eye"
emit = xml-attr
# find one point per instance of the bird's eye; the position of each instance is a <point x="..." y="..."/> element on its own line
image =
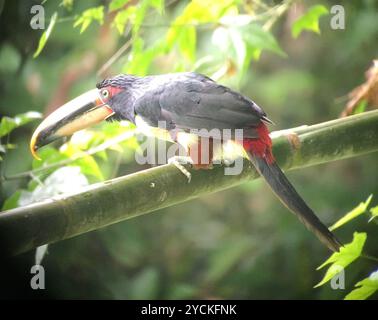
<point x="105" y="93"/>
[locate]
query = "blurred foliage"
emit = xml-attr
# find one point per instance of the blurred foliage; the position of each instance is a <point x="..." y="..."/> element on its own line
<point x="239" y="243"/>
<point x="351" y="252"/>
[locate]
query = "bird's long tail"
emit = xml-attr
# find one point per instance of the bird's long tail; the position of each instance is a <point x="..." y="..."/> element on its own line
<point x="267" y="167"/>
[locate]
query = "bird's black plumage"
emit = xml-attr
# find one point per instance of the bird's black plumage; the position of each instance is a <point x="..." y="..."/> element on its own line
<point x="185" y="101"/>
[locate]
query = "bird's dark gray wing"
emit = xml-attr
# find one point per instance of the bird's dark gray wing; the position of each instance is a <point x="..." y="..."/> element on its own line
<point x="193" y="101"/>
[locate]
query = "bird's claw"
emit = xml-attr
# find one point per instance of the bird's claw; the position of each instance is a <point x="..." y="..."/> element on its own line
<point x="180" y="162"/>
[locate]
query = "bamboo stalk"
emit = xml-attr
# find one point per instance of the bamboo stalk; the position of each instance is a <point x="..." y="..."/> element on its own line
<point x="102" y="204"/>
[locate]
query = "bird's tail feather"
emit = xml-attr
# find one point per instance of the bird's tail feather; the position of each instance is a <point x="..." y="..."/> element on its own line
<point x="285" y="191"/>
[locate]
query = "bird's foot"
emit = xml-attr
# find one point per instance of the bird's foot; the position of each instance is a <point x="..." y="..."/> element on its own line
<point x="180" y="162"/>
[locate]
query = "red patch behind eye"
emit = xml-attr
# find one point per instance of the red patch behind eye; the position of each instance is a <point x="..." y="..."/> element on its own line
<point x="114" y="90"/>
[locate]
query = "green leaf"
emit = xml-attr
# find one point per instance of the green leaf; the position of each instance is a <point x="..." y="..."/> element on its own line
<point x="187" y="42"/>
<point x="361" y="107"/>
<point x="244" y="41"/>
<point x="88" y="16"/>
<point x="374" y="213"/>
<point x="49" y="155"/>
<point x="197" y="12"/>
<point x="367" y="287"/>
<point x="12" y="201"/>
<point x="45" y="35"/>
<point x="360" y="209"/>
<point x="89" y="167"/>
<point x="203" y="11"/>
<point x="123" y="17"/>
<point x="7" y="124"/>
<point x="117" y="4"/>
<point x="258" y="38"/>
<point x="158" y="5"/>
<point x="345" y="257"/>
<point x="141" y="57"/>
<point x="309" y="21"/>
<point x="140" y="14"/>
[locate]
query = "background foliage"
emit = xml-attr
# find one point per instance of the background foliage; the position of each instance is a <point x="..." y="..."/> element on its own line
<point x="239" y="243"/>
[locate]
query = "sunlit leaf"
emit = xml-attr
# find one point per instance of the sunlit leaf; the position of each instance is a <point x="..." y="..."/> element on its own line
<point x="12" y="201"/>
<point x="8" y="124"/>
<point x="361" y="107"/>
<point x="258" y="38"/>
<point x="187" y="42"/>
<point x="102" y="155"/>
<point x="202" y="11"/>
<point x="374" y="213"/>
<point x="197" y="11"/>
<point x="242" y="42"/>
<point x="89" y="167"/>
<point x="45" y="35"/>
<point x="360" y="209"/>
<point x="367" y="287"/>
<point x="158" y="5"/>
<point x="88" y="16"/>
<point x="141" y="57"/>
<point x="49" y="155"/>
<point x="123" y="17"/>
<point x="345" y="257"/>
<point x="309" y="21"/>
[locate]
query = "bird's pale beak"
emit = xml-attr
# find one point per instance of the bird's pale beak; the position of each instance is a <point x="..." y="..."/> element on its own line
<point x="80" y="113"/>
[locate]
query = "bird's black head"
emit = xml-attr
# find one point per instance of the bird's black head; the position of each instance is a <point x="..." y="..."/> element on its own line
<point x="119" y="90"/>
<point x="123" y="81"/>
<point x="114" y="97"/>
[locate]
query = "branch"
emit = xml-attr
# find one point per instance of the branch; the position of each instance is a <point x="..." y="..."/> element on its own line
<point x="143" y="192"/>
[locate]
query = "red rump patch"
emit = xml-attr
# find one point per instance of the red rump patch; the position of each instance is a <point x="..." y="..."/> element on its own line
<point x="261" y="146"/>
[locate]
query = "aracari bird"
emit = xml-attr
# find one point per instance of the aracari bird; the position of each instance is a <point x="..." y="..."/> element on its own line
<point x="185" y="102"/>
